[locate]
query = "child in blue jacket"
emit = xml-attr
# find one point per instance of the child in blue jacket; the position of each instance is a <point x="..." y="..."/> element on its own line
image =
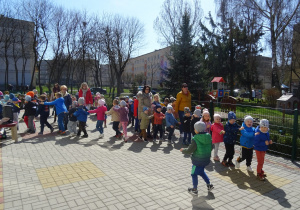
<point x="261" y="142"/>
<point x="231" y="130"/>
<point x="246" y="142"/>
<point x="81" y="115"/>
<point x="61" y="109"/>
<point x="171" y="122"/>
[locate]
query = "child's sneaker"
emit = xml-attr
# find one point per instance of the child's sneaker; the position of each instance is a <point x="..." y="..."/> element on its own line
<point x="51" y="130"/>
<point x="261" y="177"/>
<point x="231" y="164"/>
<point x="85" y="136"/>
<point x="63" y="133"/>
<point x="263" y="173"/>
<point x="160" y="140"/>
<point x="210" y="187"/>
<point x="216" y="158"/>
<point x="237" y="164"/>
<point x="59" y="132"/>
<point x="169" y="142"/>
<point x="224" y="163"/>
<point x="193" y="191"/>
<point x="249" y="169"/>
<point x="40" y="133"/>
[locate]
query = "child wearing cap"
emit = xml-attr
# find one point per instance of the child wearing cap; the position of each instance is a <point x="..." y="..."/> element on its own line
<point x="61" y="109"/>
<point x="100" y="111"/>
<point x="230" y="136"/>
<point x="72" y="124"/>
<point x="171" y="123"/>
<point x="158" y="120"/>
<point x="115" y="118"/>
<point x="261" y="142"/>
<point x="201" y="152"/>
<point x="246" y="142"/>
<point x="206" y="119"/>
<point x="123" y="112"/>
<point x="81" y="115"/>
<point x="145" y="120"/>
<point x="195" y="118"/>
<point x="43" y="111"/>
<point x="187" y="126"/>
<point x="30" y="111"/>
<point x="16" y="109"/>
<point x="217" y="130"/>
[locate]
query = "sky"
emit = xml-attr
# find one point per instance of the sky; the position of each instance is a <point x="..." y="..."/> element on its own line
<point x="145" y="10"/>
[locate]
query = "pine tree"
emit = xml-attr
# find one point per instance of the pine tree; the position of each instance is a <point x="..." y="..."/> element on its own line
<point x="184" y="64"/>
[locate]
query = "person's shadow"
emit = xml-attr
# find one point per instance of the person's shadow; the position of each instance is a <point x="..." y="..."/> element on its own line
<point x="199" y="202"/>
<point x="248" y="181"/>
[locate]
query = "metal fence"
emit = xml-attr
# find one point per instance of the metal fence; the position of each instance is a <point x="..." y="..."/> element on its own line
<point x="284" y="124"/>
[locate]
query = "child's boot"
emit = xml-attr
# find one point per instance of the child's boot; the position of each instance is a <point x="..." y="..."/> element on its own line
<point x="230" y="163"/>
<point x="210" y="187"/>
<point x="193" y="191"/>
<point x="224" y="163"/>
<point x="263" y="173"/>
<point x="261" y="177"/>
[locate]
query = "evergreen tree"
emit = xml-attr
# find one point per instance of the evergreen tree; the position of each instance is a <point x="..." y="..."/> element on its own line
<point x="184" y="62"/>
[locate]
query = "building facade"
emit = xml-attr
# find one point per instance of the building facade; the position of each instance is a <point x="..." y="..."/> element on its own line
<point x="16" y="53"/>
<point x="152" y="67"/>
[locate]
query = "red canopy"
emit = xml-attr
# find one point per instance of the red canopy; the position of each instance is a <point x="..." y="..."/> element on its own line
<point x="218" y="79"/>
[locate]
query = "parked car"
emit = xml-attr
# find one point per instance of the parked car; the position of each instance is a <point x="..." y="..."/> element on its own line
<point x="245" y="95"/>
<point x="94" y="90"/>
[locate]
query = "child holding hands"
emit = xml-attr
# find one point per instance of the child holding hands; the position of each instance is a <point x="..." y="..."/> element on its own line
<point x="261" y="142"/>
<point x="100" y="111"/>
<point x="218" y="132"/>
<point x="171" y="122"/>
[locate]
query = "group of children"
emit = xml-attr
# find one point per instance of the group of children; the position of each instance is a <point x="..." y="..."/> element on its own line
<point x="203" y="142"/>
<point x="199" y="133"/>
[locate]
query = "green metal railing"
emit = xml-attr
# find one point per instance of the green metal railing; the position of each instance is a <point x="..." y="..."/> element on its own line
<point x="284" y="124"/>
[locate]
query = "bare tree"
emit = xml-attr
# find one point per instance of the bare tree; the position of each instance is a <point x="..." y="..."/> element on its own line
<point x="170" y="18"/>
<point x="122" y="37"/>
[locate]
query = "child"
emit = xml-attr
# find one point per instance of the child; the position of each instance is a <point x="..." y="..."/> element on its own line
<point x="201" y="151"/>
<point x="30" y="111"/>
<point x="171" y="122"/>
<point x="261" y="142"/>
<point x="44" y="111"/>
<point x="1" y="98"/>
<point x="144" y="123"/>
<point x="158" y="118"/>
<point x="61" y="109"/>
<point x="105" y="118"/>
<point x="81" y="115"/>
<point x="72" y="124"/>
<point x="123" y="112"/>
<point x="96" y="99"/>
<point x="131" y="110"/>
<point x="231" y="130"/>
<point x="100" y="111"/>
<point x="195" y="118"/>
<point x="135" y="114"/>
<point x="164" y="110"/>
<point x="115" y="118"/>
<point x="16" y="109"/>
<point x="206" y="119"/>
<point x="246" y="142"/>
<point x="218" y="132"/>
<point x="187" y="126"/>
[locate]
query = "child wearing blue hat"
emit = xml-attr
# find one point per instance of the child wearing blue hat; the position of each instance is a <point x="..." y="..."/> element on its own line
<point x="230" y="136"/>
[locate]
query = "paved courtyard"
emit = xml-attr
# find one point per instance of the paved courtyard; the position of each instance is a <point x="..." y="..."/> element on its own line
<point x="61" y="172"/>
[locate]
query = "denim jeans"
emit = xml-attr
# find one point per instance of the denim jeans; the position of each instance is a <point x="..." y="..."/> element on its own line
<point x="99" y="126"/>
<point x="43" y="122"/>
<point x="181" y="115"/>
<point x="137" y="125"/>
<point x="60" y="121"/>
<point x="187" y="135"/>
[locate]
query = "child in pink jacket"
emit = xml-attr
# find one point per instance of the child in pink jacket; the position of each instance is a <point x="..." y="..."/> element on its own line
<point x="218" y="132"/>
<point x="100" y="116"/>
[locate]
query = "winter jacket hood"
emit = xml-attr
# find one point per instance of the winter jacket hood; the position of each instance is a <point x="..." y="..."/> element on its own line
<point x="247" y="136"/>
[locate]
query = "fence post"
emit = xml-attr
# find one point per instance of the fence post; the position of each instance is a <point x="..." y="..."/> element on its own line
<point x="211" y="109"/>
<point x="295" y="135"/>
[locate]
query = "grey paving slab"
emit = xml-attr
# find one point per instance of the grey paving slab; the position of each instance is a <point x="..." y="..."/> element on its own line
<point x="138" y="175"/>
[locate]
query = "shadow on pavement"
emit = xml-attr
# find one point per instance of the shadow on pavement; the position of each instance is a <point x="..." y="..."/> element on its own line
<point x="249" y="181"/>
<point x="200" y="202"/>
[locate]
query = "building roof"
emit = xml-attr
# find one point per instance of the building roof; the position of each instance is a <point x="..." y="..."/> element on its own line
<point x="285" y="97"/>
<point x="218" y="79"/>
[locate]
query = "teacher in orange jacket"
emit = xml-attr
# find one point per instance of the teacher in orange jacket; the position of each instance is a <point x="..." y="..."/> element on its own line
<point x="183" y="99"/>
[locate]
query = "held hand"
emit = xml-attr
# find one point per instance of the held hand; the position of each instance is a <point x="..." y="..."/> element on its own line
<point x="241" y="128"/>
<point x="270" y="142"/>
<point x="172" y="126"/>
<point x="181" y="149"/>
<point x="42" y="103"/>
<point x="179" y="123"/>
<point x="223" y="132"/>
<point x="257" y="133"/>
<point x="267" y="143"/>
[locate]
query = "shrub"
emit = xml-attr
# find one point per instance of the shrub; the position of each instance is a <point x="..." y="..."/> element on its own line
<point x="271" y="96"/>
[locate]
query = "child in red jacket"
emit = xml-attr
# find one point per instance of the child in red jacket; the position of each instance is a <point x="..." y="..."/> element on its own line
<point x="100" y="116"/>
<point x="218" y="132"/>
<point x="158" y="120"/>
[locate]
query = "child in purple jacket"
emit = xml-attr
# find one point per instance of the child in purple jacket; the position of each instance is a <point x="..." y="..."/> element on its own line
<point x="123" y="111"/>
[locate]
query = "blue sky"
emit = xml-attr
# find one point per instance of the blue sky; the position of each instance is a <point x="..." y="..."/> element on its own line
<point x="145" y="10"/>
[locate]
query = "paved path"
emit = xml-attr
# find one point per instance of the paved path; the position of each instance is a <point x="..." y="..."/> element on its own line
<point x="62" y="172"/>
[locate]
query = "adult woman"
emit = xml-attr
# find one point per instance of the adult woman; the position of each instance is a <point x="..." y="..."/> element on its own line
<point x="68" y="102"/>
<point x="145" y="100"/>
<point x="86" y="93"/>
<point x="183" y="99"/>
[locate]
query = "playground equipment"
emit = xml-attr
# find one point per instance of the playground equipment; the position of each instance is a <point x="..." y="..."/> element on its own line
<point x="219" y="92"/>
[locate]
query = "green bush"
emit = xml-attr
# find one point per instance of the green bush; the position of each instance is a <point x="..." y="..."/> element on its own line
<point x="271" y="96"/>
